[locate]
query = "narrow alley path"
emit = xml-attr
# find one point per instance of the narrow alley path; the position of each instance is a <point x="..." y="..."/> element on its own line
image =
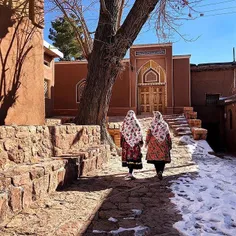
<point x="107" y="204"/>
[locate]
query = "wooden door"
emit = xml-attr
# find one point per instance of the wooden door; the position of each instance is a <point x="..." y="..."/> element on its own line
<point x="151" y="98"/>
<point x="158" y="98"/>
<point x="144" y="99"/>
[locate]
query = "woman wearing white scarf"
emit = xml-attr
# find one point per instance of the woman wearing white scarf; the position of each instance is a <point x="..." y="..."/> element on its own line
<point x="159" y="144"/>
<point x="131" y="143"/>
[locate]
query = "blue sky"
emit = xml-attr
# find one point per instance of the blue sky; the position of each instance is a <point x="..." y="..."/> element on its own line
<point x="215" y="33"/>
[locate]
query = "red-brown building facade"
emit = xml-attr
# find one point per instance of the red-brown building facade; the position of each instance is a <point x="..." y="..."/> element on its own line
<point x="152" y="79"/>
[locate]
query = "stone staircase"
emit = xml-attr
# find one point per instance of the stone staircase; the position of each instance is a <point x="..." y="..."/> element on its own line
<point x="186" y="124"/>
<point x="178" y="123"/>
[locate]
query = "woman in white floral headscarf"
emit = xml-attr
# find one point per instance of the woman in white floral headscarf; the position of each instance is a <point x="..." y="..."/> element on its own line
<point x="131" y="143"/>
<point x="159" y="144"/>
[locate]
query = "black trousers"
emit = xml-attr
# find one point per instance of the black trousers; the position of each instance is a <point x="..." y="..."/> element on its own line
<point x="160" y="166"/>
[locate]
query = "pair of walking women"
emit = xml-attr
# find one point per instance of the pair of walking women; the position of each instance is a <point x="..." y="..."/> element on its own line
<point x="158" y="143"/>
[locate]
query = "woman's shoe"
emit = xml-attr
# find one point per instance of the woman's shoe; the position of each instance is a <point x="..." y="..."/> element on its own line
<point x="159" y="175"/>
<point x="130" y="176"/>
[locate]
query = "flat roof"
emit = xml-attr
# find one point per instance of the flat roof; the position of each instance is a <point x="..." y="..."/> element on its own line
<point x="181" y="56"/>
<point x="213" y="66"/>
<point x="51" y="50"/>
<point x="150" y="45"/>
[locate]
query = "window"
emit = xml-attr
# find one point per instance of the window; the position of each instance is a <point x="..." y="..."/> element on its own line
<point x="46" y="88"/>
<point x="46" y="63"/>
<point x="151" y="76"/>
<point x="79" y="89"/>
<point x="230" y="119"/>
<point x="212" y="99"/>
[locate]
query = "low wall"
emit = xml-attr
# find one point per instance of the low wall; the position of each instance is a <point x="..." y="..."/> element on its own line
<point x="37" y="160"/>
<point x="22" y="144"/>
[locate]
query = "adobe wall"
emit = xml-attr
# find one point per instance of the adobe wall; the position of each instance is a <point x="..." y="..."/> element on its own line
<point x="67" y="75"/>
<point x="182" y="86"/>
<point x="121" y="99"/>
<point x="230" y="133"/>
<point x="28" y="108"/>
<point x="207" y="82"/>
<point x="211" y="81"/>
<point x="49" y="75"/>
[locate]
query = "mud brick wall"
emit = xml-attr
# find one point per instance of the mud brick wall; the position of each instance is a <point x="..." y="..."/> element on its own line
<point x="22" y="144"/>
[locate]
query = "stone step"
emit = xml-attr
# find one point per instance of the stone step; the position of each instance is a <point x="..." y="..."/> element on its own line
<point x="179" y="129"/>
<point x="88" y="160"/>
<point x="175" y="119"/>
<point x="179" y="125"/>
<point x="184" y="133"/>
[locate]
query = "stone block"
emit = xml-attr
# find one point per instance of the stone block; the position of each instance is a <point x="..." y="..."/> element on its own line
<point x="199" y="133"/>
<point x="57" y="164"/>
<point x="3" y="159"/>
<point x="53" y="181"/>
<point x="3" y="206"/>
<point x="36" y="172"/>
<point x="27" y="197"/>
<point x="85" y="167"/>
<point x="22" y="179"/>
<point x="15" y="198"/>
<point x="5" y="182"/>
<point x="115" y="134"/>
<point x="40" y="187"/>
<point x="195" y="123"/>
<point x="191" y="115"/>
<point x="100" y="161"/>
<point x="61" y="177"/>
<point x="187" y="109"/>
<point x="10" y="144"/>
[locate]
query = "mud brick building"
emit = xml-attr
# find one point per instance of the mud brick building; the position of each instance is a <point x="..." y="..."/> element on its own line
<point x="152" y="79"/>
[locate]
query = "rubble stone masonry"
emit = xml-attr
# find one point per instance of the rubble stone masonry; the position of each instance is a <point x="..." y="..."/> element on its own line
<point x="37" y="160"/>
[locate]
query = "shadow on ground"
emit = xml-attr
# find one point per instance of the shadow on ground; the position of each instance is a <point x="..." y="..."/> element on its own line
<point x="130" y="207"/>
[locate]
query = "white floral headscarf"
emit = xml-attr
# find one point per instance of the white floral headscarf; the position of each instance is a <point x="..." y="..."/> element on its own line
<point x="131" y="129"/>
<point x="159" y="127"/>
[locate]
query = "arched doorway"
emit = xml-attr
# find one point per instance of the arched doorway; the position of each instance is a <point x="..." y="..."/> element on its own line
<point x="151" y="88"/>
<point x="79" y="89"/>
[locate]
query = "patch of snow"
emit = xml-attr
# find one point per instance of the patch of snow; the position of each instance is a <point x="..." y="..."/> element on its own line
<point x="139" y="230"/>
<point x="112" y="219"/>
<point x="207" y="203"/>
<point x="137" y="212"/>
<point x="98" y="231"/>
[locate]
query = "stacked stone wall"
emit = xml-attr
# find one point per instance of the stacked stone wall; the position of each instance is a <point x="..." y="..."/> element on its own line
<point x="24" y="144"/>
<point x="37" y="160"/>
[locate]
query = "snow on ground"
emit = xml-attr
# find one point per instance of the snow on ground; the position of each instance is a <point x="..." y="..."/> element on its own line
<point x="208" y="202"/>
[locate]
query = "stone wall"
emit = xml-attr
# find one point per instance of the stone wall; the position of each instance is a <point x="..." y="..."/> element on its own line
<point x="37" y="160"/>
<point x="24" y="144"/>
<point x="21" y="185"/>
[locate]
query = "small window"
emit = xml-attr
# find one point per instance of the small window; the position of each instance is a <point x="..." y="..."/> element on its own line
<point x="230" y="119"/>
<point x="79" y="89"/>
<point x="46" y="88"/>
<point x="212" y="99"/>
<point x="151" y="77"/>
<point x="46" y="63"/>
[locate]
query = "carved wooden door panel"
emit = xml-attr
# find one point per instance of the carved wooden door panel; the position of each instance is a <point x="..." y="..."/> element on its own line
<point x="145" y="106"/>
<point x="158" y="97"/>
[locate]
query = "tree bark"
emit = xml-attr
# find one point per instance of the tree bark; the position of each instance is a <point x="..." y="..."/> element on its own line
<point x="104" y="63"/>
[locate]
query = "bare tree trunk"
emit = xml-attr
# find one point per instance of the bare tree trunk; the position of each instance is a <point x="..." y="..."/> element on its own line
<point x="104" y="63"/>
